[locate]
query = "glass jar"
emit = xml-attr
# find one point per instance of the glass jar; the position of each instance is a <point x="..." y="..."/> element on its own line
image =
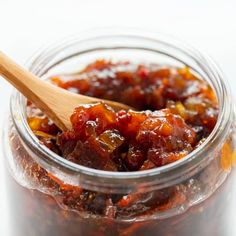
<point x="197" y="192"/>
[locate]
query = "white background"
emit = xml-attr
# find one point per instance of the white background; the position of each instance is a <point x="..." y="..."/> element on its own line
<point x="26" y="25"/>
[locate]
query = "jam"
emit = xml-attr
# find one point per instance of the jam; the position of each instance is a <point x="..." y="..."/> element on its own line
<point x="176" y="112"/>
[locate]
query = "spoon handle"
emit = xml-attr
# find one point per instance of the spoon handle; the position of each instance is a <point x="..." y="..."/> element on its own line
<point x="43" y="94"/>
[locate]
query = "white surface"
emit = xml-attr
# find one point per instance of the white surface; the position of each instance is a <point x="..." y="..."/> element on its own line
<point x="26" y="25"/>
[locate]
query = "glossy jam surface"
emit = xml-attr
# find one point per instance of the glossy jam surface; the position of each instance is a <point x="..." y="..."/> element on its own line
<point x="176" y="111"/>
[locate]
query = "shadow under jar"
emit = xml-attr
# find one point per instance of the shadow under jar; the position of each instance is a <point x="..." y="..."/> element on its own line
<point x="197" y="191"/>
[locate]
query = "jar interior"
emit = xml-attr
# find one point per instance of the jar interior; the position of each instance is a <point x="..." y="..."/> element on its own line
<point x="76" y="54"/>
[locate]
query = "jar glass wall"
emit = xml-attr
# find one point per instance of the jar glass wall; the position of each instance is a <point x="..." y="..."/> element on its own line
<point x="51" y="196"/>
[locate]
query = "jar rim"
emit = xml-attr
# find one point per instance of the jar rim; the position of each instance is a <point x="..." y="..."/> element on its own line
<point x="190" y="162"/>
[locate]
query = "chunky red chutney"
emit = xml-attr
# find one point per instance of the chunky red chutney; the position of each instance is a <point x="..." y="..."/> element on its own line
<point x="176" y="111"/>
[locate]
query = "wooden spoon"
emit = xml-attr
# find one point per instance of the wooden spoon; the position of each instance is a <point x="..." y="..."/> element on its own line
<point x="57" y="103"/>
